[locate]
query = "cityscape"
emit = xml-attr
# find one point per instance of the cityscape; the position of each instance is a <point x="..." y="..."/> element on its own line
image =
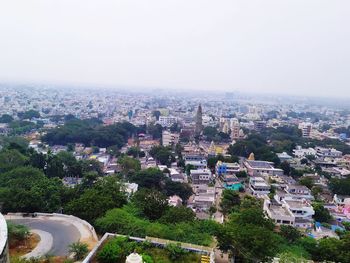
<point x="179" y="169"/>
<point x="166" y="131"/>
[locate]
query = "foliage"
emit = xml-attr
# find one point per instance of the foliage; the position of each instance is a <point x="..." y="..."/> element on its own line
<point x="129" y="164"/>
<point x="155" y="130"/>
<point x="175" y="215"/>
<point x="163" y="155"/>
<point x="229" y="201"/>
<point x="10" y="159"/>
<point x="306" y="181"/>
<point x="17" y="232"/>
<point x="90" y="132"/>
<point x="27" y="189"/>
<point x="28" y="114"/>
<point x="79" y="249"/>
<point x="6" y="118"/>
<point x="122" y="221"/>
<point x="175" y="251"/>
<point x="151" y="203"/>
<point x="340" y="186"/>
<point x="249" y="235"/>
<point x="321" y="213"/>
<point x="291" y="234"/>
<point x="105" y="194"/>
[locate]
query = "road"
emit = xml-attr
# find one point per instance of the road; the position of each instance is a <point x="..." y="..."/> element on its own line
<point x="63" y="233"/>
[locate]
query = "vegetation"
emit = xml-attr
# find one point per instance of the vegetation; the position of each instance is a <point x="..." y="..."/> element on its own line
<point x="90" y="132"/>
<point x="79" y="250"/>
<point x="117" y="249"/>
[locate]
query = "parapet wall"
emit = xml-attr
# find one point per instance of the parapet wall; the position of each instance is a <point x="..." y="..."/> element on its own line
<point x="4" y="254"/>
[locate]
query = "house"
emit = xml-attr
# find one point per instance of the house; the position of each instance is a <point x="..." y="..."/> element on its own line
<point x="258" y="186"/>
<point x="175" y="200"/>
<point x="328" y="152"/>
<point x="278" y="213"/>
<point x="176" y="176"/>
<point x="257" y="168"/>
<point x="297" y="192"/>
<point x="204" y="198"/>
<point x="223" y="168"/>
<point x="201" y="176"/>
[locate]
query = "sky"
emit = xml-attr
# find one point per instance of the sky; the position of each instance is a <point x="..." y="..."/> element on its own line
<point x="297" y="47"/>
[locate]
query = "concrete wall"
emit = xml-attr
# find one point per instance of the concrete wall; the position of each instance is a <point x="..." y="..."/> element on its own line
<point x="4" y="256"/>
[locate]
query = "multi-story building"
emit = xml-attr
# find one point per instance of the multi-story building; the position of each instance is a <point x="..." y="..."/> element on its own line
<point x="258" y="186"/>
<point x="167" y="121"/>
<point x="201" y="176"/>
<point x="223" y="168"/>
<point x="328" y="152"/>
<point x="257" y="168"/>
<point x="169" y="138"/>
<point x="306" y="129"/>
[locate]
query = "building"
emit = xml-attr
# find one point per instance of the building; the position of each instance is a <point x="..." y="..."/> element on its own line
<point x="223" y="168"/>
<point x="299" y="152"/>
<point x="201" y="176"/>
<point x="257" y="168"/>
<point x="199" y="120"/>
<point x="279" y="213"/>
<point x="169" y="138"/>
<point x="204" y="198"/>
<point x="167" y="121"/>
<point x="259" y="125"/>
<point x="306" y="129"/>
<point x="284" y="157"/>
<point x="176" y="176"/>
<point x="258" y="186"/>
<point x="175" y="200"/>
<point x="235" y="129"/>
<point x="328" y="152"/>
<point x="4" y="250"/>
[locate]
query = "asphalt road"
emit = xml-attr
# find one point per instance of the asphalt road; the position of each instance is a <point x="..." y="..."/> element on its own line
<point x="63" y="233"/>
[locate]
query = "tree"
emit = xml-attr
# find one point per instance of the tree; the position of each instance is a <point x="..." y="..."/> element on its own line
<point x="290" y="233"/>
<point x="151" y="203"/>
<point x="79" y="249"/>
<point x="106" y="193"/>
<point x="180" y="214"/>
<point x="155" y="130"/>
<point x="321" y="214"/>
<point x="306" y="181"/>
<point x="249" y="235"/>
<point x="10" y="159"/>
<point x="6" y="118"/>
<point x="27" y="189"/>
<point x="229" y="201"/>
<point x="340" y="186"/>
<point x="129" y="165"/>
<point x="156" y="114"/>
<point x="285" y="166"/>
<point x="149" y="178"/>
<point x="176" y="188"/>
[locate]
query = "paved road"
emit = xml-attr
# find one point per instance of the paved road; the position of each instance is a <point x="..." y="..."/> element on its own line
<point x="63" y="233"/>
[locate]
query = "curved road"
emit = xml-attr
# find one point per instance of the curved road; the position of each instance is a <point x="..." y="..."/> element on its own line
<point x="62" y="232"/>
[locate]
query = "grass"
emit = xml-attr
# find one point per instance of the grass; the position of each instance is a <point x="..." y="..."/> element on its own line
<point x="162" y="256"/>
<point x="22" y="247"/>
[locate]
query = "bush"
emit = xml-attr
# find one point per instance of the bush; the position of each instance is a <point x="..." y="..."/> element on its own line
<point x="79" y="249"/>
<point x="17" y="232"/>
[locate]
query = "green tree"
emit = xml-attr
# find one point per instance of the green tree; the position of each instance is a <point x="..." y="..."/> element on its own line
<point x="321" y="213"/>
<point x="10" y="159"/>
<point x="105" y="194"/>
<point x="290" y="233"/>
<point x="306" y="181"/>
<point x="6" y="118"/>
<point x="129" y="165"/>
<point x="175" y="215"/>
<point x="79" y="250"/>
<point x="229" y="201"/>
<point x="151" y="203"/>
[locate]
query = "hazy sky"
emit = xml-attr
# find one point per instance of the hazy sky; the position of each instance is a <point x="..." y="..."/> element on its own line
<point x="290" y="46"/>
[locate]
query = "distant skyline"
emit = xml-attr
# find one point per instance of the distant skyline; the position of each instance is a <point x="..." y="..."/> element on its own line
<point x="288" y="47"/>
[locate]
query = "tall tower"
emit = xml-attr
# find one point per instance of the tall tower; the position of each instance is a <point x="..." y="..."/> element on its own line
<point x="199" y="120"/>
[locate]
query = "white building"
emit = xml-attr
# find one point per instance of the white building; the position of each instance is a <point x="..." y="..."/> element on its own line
<point x="299" y="152"/>
<point x="169" y="138"/>
<point x="167" y="121"/>
<point x="201" y="176"/>
<point x="306" y="129"/>
<point x="258" y="186"/>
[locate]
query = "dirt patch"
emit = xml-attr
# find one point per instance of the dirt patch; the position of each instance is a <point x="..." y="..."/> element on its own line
<point x="22" y="247"/>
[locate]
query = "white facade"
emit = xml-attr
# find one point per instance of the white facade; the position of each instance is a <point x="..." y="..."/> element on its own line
<point x="169" y="138"/>
<point x="166" y="121"/>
